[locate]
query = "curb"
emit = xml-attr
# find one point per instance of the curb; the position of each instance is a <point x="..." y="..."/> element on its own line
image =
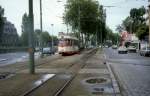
<point x="113" y="79"/>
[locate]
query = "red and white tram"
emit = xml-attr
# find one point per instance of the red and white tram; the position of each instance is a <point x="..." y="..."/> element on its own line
<point x="68" y="44"/>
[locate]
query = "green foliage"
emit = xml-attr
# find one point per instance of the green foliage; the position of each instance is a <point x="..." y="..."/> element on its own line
<point x="119" y="28"/>
<point x="24" y="39"/>
<point x="135" y="23"/>
<point x="1" y="22"/>
<point x="37" y="31"/>
<point x="127" y="23"/>
<point x="45" y="37"/>
<point x="137" y="17"/>
<point x="142" y="32"/>
<point x="86" y="17"/>
<point x="24" y="35"/>
<point x="114" y="37"/>
<point x="81" y="15"/>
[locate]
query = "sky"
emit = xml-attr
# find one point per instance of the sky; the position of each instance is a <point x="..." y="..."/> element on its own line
<point x="53" y="12"/>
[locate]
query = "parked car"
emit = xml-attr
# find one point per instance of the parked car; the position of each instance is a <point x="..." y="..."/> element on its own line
<point x="145" y="51"/>
<point x="132" y="49"/>
<point x="106" y="46"/>
<point x="122" y="50"/>
<point x="47" y="50"/>
<point x="37" y="49"/>
<point x="114" y="47"/>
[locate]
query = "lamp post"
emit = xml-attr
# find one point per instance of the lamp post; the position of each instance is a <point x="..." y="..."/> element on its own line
<point x="31" y="39"/>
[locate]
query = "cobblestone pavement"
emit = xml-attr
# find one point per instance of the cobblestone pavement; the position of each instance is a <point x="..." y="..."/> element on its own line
<point x="135" y="79"/>
<point x="132" y="71"/>
<point x="94" y="70"/>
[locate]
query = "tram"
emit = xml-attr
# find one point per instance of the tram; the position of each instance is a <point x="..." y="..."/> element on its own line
<point x="68" y="45"/>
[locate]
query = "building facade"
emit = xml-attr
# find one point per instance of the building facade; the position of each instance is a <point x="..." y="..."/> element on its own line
<point x="9" y="35"/>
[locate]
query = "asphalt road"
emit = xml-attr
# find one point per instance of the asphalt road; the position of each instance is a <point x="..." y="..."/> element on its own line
<point x="132" y="72"/>
<point x="11" y="58"/>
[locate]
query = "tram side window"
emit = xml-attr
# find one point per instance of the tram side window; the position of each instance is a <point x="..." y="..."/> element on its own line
<point x="71" y="43"/>
<point x="76" y="43"/>
<point x="67" y="42"/>
<point x="61" y="43"/>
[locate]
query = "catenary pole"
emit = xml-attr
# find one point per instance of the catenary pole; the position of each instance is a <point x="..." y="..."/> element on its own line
<point x="41" y="28"/>
<point x="149" y="19"/>
<point x="31" y="39"/>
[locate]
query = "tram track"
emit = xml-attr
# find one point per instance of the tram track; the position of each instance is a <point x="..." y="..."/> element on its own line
<point x="64" y="86"/>
<point x="80" y="65"/>
<point x="89" y="54"/>
<point x="86" y="55"/>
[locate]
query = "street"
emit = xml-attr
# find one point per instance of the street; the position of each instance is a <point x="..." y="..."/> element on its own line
<point x="11" y="58"/>
<point x="132" y="72"/>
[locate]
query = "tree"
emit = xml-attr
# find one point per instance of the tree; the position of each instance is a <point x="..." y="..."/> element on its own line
<point x="137" y="17"/>
<point x="127" y="24"/>
<point x="114" y="37"/>
<point x="85" y="16"/>
<point x="120" y="28"/>
<point x="85" y="10"/>
<point x="142" y="32"/>
<point x="45" y="38"/>
<point x="25" y="30"/>
<point x="1" y="22"/>
<point x="135" y="23"/>
<point x="37" y="37"/>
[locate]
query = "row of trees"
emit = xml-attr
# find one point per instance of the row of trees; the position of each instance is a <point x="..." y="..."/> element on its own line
<point x="1" y="21"/>
<point x="87" y="19"/>
<point x="40" y="38"/>
<point x="114" y="37"/>
<point x="135" y="23"/>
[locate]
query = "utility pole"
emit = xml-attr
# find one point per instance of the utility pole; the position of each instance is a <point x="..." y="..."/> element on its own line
<point x="41" y="28"/>
<point x="96" y="34"/>
<point x="79" y="24"/>
<point x="41" y="24"/>
<point x="149" y="19"/>
<point x="52" y="36"/>
<point x="31" y="39"/>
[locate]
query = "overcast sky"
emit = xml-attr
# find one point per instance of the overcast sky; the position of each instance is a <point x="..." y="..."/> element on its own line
<point x="53" y="10"/>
